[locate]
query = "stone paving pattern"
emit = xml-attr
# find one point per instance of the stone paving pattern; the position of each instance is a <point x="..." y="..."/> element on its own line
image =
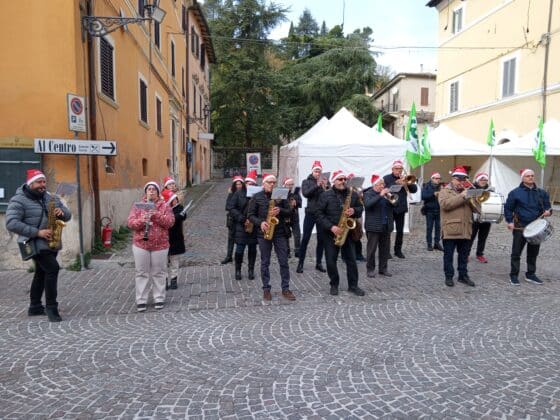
<point x="410" y="348"/>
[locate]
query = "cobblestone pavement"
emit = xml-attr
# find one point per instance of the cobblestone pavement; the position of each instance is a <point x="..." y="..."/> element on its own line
<point x="410" y="348"/>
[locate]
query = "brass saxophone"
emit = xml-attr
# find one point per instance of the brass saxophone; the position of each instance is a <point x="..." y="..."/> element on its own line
<point x="54" y="225"/>
<point x="271" y="220"/>
<point x="345" y="223"/>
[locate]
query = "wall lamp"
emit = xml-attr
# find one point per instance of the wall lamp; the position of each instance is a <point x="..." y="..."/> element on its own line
<point x="102" y="25"/>
<point x="204" y="117"/>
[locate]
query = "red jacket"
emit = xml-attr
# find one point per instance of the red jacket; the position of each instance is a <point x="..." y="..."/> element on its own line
<point x="158" y="233"/>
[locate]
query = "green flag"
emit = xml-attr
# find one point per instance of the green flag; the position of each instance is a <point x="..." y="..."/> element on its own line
<point x="426" y="154"/>
<point x="491" y="139"/>
<point x="413" y="153"/>
<point x="379" y="122"/>
<point x="539" y="152"/>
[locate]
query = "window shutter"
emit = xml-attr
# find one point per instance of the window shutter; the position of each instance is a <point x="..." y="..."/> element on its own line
<point x="424" y="96"/>
<point x="106" y="67"/>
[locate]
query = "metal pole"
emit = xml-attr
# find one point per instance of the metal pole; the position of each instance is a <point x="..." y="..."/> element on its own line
<point x="80" y="227"/>
<point x="545" y="76"/>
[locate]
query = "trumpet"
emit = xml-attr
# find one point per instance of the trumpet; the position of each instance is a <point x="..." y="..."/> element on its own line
<point x="391" y="198"/>
<point x="476" y="201"/>
<point x="408" y="180"/>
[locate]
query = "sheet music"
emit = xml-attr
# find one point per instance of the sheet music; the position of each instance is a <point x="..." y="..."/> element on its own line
<point x="474" y="193"/>
<point x="395" y="188"/>
<point x="355" y="182"/>
<point x="145" y="205"/>
<point x="252" y="190"/>
<point x="279" y="193"/>
<point x="65" y="189"/>
<point x="326" y="176"/>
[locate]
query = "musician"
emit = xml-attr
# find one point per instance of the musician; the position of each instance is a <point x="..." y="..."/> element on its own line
<point x="237" y="183"/>
<point x="237" y="208"/>
<point x="150" y="246"/>
<point x="525" y="204"/>
<point x="27" y="215"/>
<point x="379" y="224"/>
<point x="456" y="225"/>
<point x="431" y="211"/>
<point x="482" y="229"/>
<point x="312" y="188"/>
<point x="176" y="238"/>
<point x="356" y="234"/>
<point x="294" y="199"/>
<point x="258" y="214"/>
<point x="329" y="210"/>
<point x="399" y="212"/>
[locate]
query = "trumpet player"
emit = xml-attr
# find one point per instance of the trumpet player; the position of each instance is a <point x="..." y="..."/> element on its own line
<point x="480" y="229"/>
<point x="294" y="200"/>
<point x="379" y="204"/>
<point x="399" y="212"/>
<point x="263" y="216"/>
<point x="430" y="209"/>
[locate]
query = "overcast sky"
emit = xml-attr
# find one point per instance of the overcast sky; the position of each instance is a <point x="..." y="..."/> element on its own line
<point x="394" y="23"/>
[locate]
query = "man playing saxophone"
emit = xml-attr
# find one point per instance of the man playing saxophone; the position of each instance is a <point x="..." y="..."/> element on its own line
<point x="28" y="216"/>
<point x="339" y="203"/>
<point x="269" y="216"/>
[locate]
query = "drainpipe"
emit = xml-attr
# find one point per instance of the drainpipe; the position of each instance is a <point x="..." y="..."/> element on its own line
<point x="187" y="90"/>
<point x="546" y="40"/>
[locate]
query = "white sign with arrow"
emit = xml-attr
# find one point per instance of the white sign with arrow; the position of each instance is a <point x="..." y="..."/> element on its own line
<point x="76" y="147"/>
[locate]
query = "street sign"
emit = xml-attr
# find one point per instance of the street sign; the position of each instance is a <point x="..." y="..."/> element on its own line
<point x="76" y="147"/>
<point x="76" y="113"/>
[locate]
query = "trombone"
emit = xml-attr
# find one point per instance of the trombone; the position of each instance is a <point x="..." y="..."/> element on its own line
<point x="408" y="180"/>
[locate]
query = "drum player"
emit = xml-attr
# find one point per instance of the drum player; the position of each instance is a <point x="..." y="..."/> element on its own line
<point x="525" y="204"/>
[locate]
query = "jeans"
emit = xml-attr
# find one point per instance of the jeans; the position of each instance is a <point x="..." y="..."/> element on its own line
<point x="433" y="224"/>
<point x="463" y="247"/>
<point x="482" y="229"/>
<point x="399" y="225"/>
<point x="349" y="254"/>
<point x="45" y="279"/>
<point x="519" y="242"/>
<point x="281" y="248"/>
<point x="308" y="222"/>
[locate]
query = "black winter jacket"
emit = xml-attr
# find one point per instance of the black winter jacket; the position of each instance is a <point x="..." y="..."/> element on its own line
<point x="431" y="203"/>
<point x="258" y="210"/>
<point x="176" y="237"/>
<point x="237" y="207"/>
<point x="402" y="204"/>
<point x="330" y="208"/>
<point x="294" y="217"/>
<point x="374" y="206"/>
<point x="312" y="192"/>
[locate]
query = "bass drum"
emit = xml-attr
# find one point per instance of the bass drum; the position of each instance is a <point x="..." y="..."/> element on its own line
<point x="538" y="231"/>
<point x="492" y="210"/>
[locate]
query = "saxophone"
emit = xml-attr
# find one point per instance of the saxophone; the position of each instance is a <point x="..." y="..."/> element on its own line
<point x="345" y="223"/>
<point x="271" y="220"/>
<point x="55" y="226"/>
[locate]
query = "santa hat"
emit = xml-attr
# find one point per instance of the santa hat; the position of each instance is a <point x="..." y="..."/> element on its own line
<point x="286" y="180"/>
<point x="376" y="179"/>
<point x="459" y="171"/>
<point x="526" y="171"/>
<point x="338" y="174"/>
<point x="152" y="183"/>
<point x="317" y="165"/>
<point x="350" y="175"/>
<point x="167" y="180"/>
<point x="481" y="175"/>
<point x="168" y="196"/>
<point x="396" y="163"/>
<point x="33" y="175"/>
<point x="251" y="176"/>
<point x="435" y="175"/>
<point x="268" y="177"/>
<point x="237" y="178"/>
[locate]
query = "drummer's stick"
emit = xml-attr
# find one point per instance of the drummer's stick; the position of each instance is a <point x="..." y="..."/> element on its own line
<point x="523" y="228"/>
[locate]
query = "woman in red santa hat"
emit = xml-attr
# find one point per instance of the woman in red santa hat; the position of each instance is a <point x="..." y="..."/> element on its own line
<point x="237" y="184"/>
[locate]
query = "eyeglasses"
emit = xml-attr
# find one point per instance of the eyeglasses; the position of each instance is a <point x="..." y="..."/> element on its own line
<point x="529" y="176"/>
<point x="270" y="182"/>
<point x="436" y="177"/>
<point x="341" y="179"/>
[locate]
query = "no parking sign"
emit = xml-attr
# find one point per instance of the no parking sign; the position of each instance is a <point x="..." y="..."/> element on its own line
<point x="254" y="162"/>
<point x="76" y="113"/>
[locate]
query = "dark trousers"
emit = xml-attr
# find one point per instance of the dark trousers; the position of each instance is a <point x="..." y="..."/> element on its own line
<point x="251" y="249"/>
<point x="375" y="240"/>
<point x="230" y="241"/>
<point x="45" y="279"/>
<point x="359" y="248"/>
<point x="296" y="234"/>
<point x="349" y="254"/>
<point x="281" y="248"/>
<point x="519" y="242"/>
<point x="482" y="229"/>
<point x="463" y="248"/>
<point x="308" y="223"/>
<point x="399" y="226"/>
<point x="433" y="224"/>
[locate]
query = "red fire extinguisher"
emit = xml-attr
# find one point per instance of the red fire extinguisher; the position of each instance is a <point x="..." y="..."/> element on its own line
<point x="106" y="232"/>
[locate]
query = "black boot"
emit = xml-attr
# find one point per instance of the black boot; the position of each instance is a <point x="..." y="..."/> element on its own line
<point x="36" y="310"/>
<point x="52" y="313"/>
<point x="299" y="268"/>
<point x="166" y="284"/>
<point x="238" y="263"/>
<point x="173" y="284"/>
<point x="228" y="258"/>
<point x="252" y="259"/>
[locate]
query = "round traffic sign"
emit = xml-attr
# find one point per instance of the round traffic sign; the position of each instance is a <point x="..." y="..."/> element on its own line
<point x="76" y="106"/>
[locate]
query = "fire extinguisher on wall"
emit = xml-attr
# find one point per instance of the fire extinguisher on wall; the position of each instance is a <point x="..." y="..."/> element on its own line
<point x="106" y="232"/>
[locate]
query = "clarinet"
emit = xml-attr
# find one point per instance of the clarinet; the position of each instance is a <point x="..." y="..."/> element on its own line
<point x="146" y="230"/>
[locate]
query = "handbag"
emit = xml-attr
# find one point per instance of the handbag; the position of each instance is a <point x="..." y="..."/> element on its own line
<point x="28" y="248"/>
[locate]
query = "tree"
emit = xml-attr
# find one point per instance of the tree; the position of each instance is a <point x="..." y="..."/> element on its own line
<point x="307" y="26"/>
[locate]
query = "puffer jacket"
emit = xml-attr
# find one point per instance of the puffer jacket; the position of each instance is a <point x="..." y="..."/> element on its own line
<point x="258" y="211"/>
<point x="312" y="192"/>
<point x="331" y="205"/>
<point x="176" y="236"/>
<point x="158" y="233"/>
<point x="456" y="214"/>
<point x="375" y="207"/>
<point x="27" y="215"/>
<point x="237" y="207"/>
<point x="526" y="203"/>
<point x="402" y="204"/>
<point x="429" y="196"/>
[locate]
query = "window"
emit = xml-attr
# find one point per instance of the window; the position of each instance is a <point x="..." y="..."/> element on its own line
<point x="172" y="59"/>
<point x="143" y="94"/>
<point x="157" y="34"/>
<point x="183" y="81"/>
<point x="454" y="97"/>
<point x="158" y="114"/>
<point x="141" y="4"/>
<point x="194" y="100"/>
<point x="106" y="68"/>
<point x="195" y="47"/>
<point x="457" y="20"/>
<point x="144" y="167"/>
<point x="424" y="93"/>
<point x="395" y="102"/>
<point x="508" y="78"/>
<point x="199" y="106"/>
<point x="184" y="18"/>
<point x="202" y="56"/>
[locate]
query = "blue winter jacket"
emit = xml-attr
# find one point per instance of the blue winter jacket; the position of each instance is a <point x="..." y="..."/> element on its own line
<point x="428" y="195"/>
<point x="527" y="203"/>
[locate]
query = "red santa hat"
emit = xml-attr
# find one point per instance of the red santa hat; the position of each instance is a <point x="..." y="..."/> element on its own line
<point x="526" y="171"/>
<point x="154" y="184"/>
<point x="317" y="165"/>
<point x="34" y="175"/>
<point x="268" y="177"/>
<point x="251" y="176"/>
<point x="286" y="180"/>
<point x="459" y="171"/>
<point x="168" y="180"/>
<point x="397" y="163"/>
<point x="168" y="196"/>
<point x="435" y="175"/>
<point x="350" y="175"/>
<point x="481" y="175"/>
<point x="338" y="174"/>
<point x="237" y="178"/>
<point x="376" y="179"/>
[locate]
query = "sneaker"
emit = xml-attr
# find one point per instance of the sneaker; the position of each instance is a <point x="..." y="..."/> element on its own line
<point x="430" y="248"/>
<point x="357" y="291"/>
<point x="52" y="314"/>
<point x="438" y="246"/>
<point x="465" y="279"/>
<point x="399" y="254"/>
<point x="449" y="282"/>
<point x="481" y="258"/>
<point x="334" y="291"/>
<point x="288" y="294"/>
<point x="514" y="280"/>
<point x="385" y="273"/>
<point x="141" y="307"/>
<point x="158" y="305"/>
<point x="532" y="278"/>
<point x="267" y="295"/>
